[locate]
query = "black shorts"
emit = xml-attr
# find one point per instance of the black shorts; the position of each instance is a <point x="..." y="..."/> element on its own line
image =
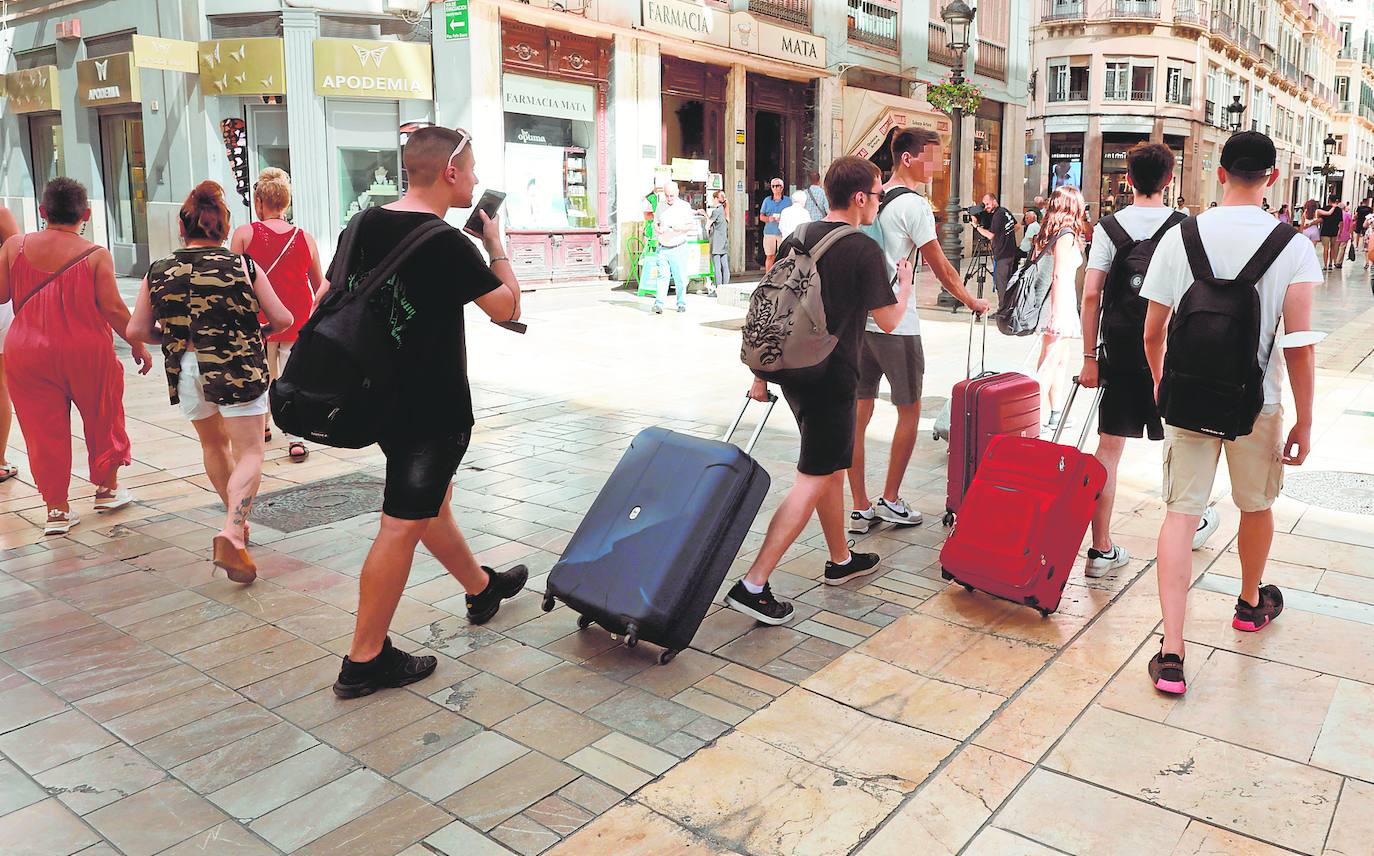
<point x="419" y="472"/>
<point x="827" y="430"/>
<point x="1128" y="406"/>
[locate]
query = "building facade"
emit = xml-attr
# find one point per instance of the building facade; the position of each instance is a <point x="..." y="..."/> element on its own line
<point x="1111" y="74"/>
<point x="579" y="108"/>
<point x="1354" y="125"/>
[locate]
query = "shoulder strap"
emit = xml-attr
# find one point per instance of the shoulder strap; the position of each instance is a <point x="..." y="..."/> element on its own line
<point x="398" y="255"/>
<point x="1268" y="252"/>
<point x="1169" y="222"/>
<point x="54" y="276"/>
<point x="1120" y="237"/>
<point x="811" y="193"/>
<point x="829" y="240"/>
<point x="289" y="241"/>
<point x="892" y="195"/>
<point x="1197" y="255"/>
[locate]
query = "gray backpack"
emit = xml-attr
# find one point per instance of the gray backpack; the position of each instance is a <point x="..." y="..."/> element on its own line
<point x="786" y="340"/>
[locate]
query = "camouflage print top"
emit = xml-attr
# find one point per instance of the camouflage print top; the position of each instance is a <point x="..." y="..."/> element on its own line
<point x="203" y="300"/>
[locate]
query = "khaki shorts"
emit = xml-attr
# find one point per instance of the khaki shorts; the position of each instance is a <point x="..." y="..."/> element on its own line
<point x="1255" y="462"/>
<point x="771" y="244"/>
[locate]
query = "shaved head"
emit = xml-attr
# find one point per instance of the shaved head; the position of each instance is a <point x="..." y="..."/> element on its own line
<point x="429" y="150"/>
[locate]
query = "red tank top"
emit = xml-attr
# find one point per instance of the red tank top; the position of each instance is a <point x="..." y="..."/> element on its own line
<point x="285" y="258"/>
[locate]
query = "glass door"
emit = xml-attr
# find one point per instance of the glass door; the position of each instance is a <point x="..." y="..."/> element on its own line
<point x="45" y="141"/>
<point x="364" y="156"/>
<point x="267" y="143"/>
<point x="126" y="191"/>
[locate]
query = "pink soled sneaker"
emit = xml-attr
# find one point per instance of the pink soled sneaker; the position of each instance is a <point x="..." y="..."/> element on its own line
<point x="1251" y="618"/>
<point x="1166" y="673"/>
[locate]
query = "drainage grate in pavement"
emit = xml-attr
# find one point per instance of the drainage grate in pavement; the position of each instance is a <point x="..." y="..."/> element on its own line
<point x="1336" y="490"/>
<point x="317" y="504"/>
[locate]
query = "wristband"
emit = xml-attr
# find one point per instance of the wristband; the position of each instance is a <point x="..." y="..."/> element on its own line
<point x="1090" y="357"/>
<point x="498" y="259"/>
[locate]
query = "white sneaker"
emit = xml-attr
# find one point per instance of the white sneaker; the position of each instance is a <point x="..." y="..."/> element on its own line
<point x="60" y="522"/>
<point x="1100" y="564"/>
<point x="897" y="512"/>
<point x="1206" y="527"/>
<point x="862" y="521"/>
<point x="120" y="498"/>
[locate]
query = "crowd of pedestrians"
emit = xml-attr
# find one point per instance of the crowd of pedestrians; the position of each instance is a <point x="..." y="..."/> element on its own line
<point x="227" y="318"/>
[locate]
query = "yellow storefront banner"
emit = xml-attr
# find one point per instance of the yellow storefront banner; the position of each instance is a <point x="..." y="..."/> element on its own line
<point x="371" y="69"/>
<point x="243" y="67"/>
<point x="165" y="54"/>
<point x="33" y="90"/>
<point x="107" y="81"/>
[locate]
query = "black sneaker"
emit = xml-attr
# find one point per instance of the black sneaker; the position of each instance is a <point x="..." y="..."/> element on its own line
<point x="391" y="668"/>
<point x="503" y="586"/>
<point x="1251" y="618"/>
<point x="859" y="565"/>
<point x="1166" y="673"/>
<point x="760" y="607"/>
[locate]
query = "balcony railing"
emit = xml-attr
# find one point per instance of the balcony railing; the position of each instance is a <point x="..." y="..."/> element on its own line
<point x="1063" y="10"/>
<point x="791" y="11"/>
<point x="1345" y="107"/>
<point x="1367" y="111"/>
<point x="1057" y="96"/>
<point x="1142" y="95"/>
<point x="991" y="60"/>
<point x="1191" y="12"/>
<point x="1131" y="9"/>
<point x="873" y="23"/>
<point x="1116" y="95"/>
<point x="1252" y="44"/>
<point x="1223" y="25"/>
<point x="937" y="48"/>
<point x="1174" y="96"/>
<point x="1349" y="53"/>
<point x="1208" y="110"/>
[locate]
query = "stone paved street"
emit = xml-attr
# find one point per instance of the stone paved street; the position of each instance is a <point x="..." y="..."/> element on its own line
<point x="148" y="707"/>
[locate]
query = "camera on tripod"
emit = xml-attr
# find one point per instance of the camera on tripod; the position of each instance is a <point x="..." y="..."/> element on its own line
<point x="975" y="213"/>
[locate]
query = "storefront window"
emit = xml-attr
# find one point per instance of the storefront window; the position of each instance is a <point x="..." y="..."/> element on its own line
<point x="551" y="146"/>
<point x="367" y="178"/>
<point x="1116" y="191"/>
<point x="987" y="150"/>
<point x="1066" y="161"/>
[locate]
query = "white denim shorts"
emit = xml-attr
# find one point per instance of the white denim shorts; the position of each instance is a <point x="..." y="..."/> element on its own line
<point x="192" y="395"/>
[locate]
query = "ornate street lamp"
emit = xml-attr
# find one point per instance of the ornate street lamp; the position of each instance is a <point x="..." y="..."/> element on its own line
<point x="958" y="18"/>
<point x="1234" y="111"/>
<point x="1329" y="147"/>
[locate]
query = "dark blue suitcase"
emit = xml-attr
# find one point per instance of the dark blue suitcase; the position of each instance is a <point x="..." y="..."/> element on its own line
<point x="652" y="551"/>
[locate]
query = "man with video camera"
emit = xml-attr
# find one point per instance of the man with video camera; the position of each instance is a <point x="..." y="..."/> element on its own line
<point x="998" y="225"/>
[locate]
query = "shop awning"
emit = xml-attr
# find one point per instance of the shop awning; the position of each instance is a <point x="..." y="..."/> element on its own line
<point x="869" y="116"/>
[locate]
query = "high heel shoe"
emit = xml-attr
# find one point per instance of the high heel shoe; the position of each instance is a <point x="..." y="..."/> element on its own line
<point x="234" y="560"/>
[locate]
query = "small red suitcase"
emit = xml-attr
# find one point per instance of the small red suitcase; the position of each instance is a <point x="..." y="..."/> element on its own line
<point x="980" y="408"/>
<point x="1024" y="517"/>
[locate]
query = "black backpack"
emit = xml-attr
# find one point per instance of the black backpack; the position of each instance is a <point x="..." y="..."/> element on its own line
<point x="1212" y="381"/>
<point x="1022" y="303"/>
<point x="336" y="387"/>
<point x="1123" y="309"/>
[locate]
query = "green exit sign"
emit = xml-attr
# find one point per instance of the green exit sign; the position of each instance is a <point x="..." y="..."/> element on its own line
<point x="456" y="20"/>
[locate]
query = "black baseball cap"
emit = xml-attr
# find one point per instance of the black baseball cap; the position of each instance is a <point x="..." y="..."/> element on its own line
<point x="1248" y="151"/>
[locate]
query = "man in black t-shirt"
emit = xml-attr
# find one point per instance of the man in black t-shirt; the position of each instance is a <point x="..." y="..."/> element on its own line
<point x="854" y="283"/>
<point x="1331" y="217"/>
<point x="430" y="421"/>
<point x="1361" y="213"/>
<point x="1000" y="229"/>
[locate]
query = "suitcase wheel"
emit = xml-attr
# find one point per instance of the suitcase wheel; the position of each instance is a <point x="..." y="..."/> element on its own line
<point x="946" y="574"/>
<point x="948" y="519"/>
<point x="666" y="657"/>
<point x="548" y="602"/>
<point x="632" y="635"/>
<point x="583" y="622"/>
<point x="968" y="588"/>
<point x="1044" y="613"/>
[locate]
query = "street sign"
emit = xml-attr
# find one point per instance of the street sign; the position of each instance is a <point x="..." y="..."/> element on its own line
<point x="456" y="20"/>
<point x="739" y="137"/>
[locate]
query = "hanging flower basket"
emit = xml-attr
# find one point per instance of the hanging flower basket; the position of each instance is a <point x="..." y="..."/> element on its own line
<point x="947" y="95"/>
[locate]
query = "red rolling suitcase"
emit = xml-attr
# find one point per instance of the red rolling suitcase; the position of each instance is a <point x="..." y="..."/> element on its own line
<point x="981" y="408"/>
<point x="1024" y="517"/>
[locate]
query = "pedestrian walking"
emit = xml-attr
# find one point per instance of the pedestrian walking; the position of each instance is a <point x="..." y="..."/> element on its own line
<point x="1218" y="393"/>
<point x="1000" y="230"/>
<point x="426" y="431"/>
<point x="1030" y="227"/>
<point x="816" y="206"/>
<point x="855" y="283"/>
<point x="1362" y="212"/>
<point x="718" y="230"/>
<point x="675" y="223"/>
<point x="201" y="303"/>
<point x="59" y="352"/>
<point x="1330" y="230"/>
<point x="1180" y="205"/>
<point x="1059" y="249"/>
<point x="1310" y="224"/>
<point x="1346" y="235"/>
<point x="905" y="228"/>
<point x="9" y="227"/>
<point x="770" y="211"/>
<point x="794" y="215"/>
<point x="289" y="257"/>
<point x="1115" y="316"/>
<point x="1285" y="213"/>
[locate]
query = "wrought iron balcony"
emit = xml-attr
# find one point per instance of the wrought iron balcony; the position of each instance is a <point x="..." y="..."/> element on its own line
<point x="1142" y="95"/>
<point x="1063" y="10"/>
<point x="1057" y="96"/>
<point x="1116" y="9"/>
<point x="991" y="60"/>
<point x="937" y="48"/>
<point x="874" y="23"/>
<point x="1192" y="13"/>
<point x="791" y="11"/>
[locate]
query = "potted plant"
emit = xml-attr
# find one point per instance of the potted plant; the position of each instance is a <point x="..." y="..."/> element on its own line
<point x="947" y="95"/>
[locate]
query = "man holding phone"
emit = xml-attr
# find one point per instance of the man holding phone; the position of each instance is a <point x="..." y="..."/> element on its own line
<point x="430" y="420"/>
<point x="675" y="223"/>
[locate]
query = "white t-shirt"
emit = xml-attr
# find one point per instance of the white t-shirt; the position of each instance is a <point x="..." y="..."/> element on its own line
<point x="791" y="217"/>
<point x="1232" y="234"/>
<point x="1140" y="223"/>
<point x="907" y="224"/>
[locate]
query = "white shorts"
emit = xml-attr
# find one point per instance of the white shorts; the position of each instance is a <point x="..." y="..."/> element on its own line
<point x="193" y="404"/>
<point x="6" y="318"/>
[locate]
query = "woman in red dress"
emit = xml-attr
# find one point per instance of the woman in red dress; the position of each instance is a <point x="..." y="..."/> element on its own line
<point x="291" y="260"/>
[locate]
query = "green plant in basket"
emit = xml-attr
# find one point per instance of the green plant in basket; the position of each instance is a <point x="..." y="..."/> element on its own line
<point x="946" y="95"/>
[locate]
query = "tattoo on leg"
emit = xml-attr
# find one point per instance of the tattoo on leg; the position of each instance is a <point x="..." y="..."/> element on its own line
<point x="240" y="515"/>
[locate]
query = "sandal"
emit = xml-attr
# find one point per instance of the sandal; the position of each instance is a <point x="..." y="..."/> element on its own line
<point x="267" y="436"/>
<point x="297" y="451"/>
<point x="234" y="560"/>
<point x="7" y="472"/>
<point x="60" y="522"/>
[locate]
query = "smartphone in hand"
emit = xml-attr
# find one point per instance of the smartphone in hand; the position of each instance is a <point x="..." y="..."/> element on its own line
<point x="490" y="203"/>
<point x="513" y="326"/>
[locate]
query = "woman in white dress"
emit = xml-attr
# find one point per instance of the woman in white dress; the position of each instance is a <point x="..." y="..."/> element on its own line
<point x="1059" y="251"/>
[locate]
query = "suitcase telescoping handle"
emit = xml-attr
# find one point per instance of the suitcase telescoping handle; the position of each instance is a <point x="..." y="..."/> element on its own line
<point x="983" y="360"/>
<point x="758" y="429"/>
<point x="1068" y="407"/>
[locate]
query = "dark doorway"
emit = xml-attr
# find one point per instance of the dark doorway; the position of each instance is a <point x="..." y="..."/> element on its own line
<point x="782" y="134"/>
